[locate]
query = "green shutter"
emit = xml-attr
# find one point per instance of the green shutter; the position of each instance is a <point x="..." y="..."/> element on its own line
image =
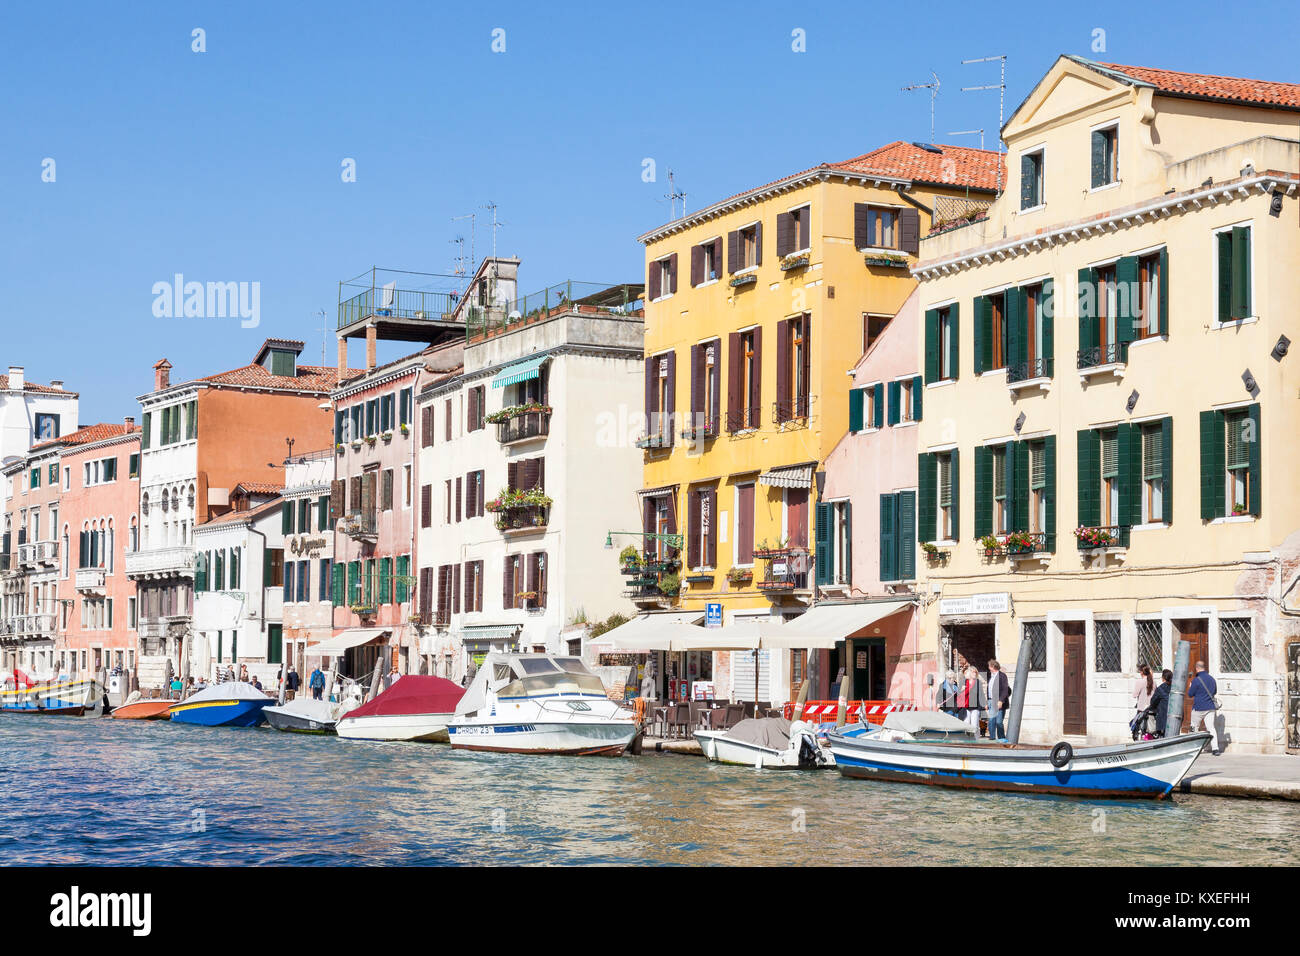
<point x="878" y="405"/>
<point x="1046" y="316"/>
<point x="1049" y="490"/>
<point x="323" y="512"/>
<point x="954" y="472"/>
<point x="286" y="517"/>
<point x="1126" y="276"/>
<point x="907" y="535"/>
<point x="917" y="388"/>
<point x="1167" y="469"/>
<point x="888" y="538"/>
<point x="1240" y="272"/>
<point x="981" y="331"/>
<point x="339" y="588"/>
<point x="954" y="333"/>
<point x="983" y="491"/>
<point x="1088" y="331"/>
<point x="1211" y="465"/>
<point x="855" y="409"/>
<point x="1164" y="291"/>
<point x="1018" y="457"/>
<point x="1098" y="158"/>
<point x="1224" y="240"/>
<point x="848" y="543"/>
<point x="931" y="345"/>
<point x="385" y="580"/>
<point x="144" y="433"/>
<point x="895" y="397"/>
<point x="1255" y="443"/>
<point x="192" y="426"/>
<point x="1128" y="439"/>
<point x="822" y="543"/>
<point x="1015" y="316"/>
<point x="1089" y="478"/>
<point x="200" y="568"/>
<point x="927" y="467"/>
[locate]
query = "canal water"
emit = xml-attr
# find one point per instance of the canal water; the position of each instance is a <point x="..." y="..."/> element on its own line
<point x="96" y="791"/>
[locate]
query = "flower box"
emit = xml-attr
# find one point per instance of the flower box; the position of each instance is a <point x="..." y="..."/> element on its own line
<point x="387" y="436"/>
<point x="888" y="262"/>
<point x="796" y="260"/>
<point x="749" y="278"/>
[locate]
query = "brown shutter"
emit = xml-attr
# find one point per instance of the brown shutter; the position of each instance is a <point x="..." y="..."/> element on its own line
<point x="735" y="401"/>
<point x="354" y="502"/>
<point x="909" y="231"/>
<point x="672" y="273"/>
<point x="543" y="573"/>
<point x="711" y="557"/>
<point x="805" y="229"/>
<point x="859" y="225"/>
<point x="671" y="410"/>
<point x="447" y="412"/>
<point x="652" y="280"/>
<point x="369" y="503"/>
<point x="426" y="506"/>
<point x="507" y="584"/>
<point x="512" y="474"/>
<point x="541" y="474"/>
<point x="482" y="492"/>
<point x="650" y="394"/>
<point x="469" y="586"/>
<point x="733" y="251"/>
<point x="455" y="590"/>
<point x="338" y="492"/>
<point x="459" y="496"/>
<point x="758" y="243"/>
<point x="426" y="427"/>
<point x="784" y="328"/>
<point x="426" y="593"/>
<point x="692" y="529"/>
<point x="717" y="377"/>
<point x="697" y="265"/>
<point x="478" y="586"/>
<point x="473" y="409"/>
<point x="756" y="386"/>
<point x="804" y="409"/>
<point x="784" y="233"/>
<point x="697" y="382"/>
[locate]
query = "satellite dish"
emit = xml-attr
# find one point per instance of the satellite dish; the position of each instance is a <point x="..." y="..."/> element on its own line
<point x="10" y="459"/>
<point x="516" y="314"/>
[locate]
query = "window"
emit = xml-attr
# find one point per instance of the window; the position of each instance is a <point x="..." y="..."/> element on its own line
<point x="1105" y="157"/>
<point x="701" y="528"/>
<point x="132" y="614"/>
<point x="794" y="368"/>
<point x="905" y="400"/>
<point x="882" y="228"/>
<point x="406" y="403"/>
<point x="747" y="252"/>
<point x="661" y="391"/>
<point x="35" y="480"/>
<point x="794" y="231"/>
<point x="1038" y="490"/>
<point x="945" y="481"/>
<point x="477" y="408"/>
<point x="1031" y="180"/>
<point x="941" y="344"/>
<point x="1036" y="632"/>
<point x="706" y="387"/>
<point x="1239" y="437"/>
<point x="873" y="397"/>
<point x="834" y="556"/>
<point x="744" y="524"/>
<point x="474" y="494"/>
<point x="1110" y="483"/>
<point x="1153" y="472"/>
<point x="1233" y="263"/>
<point x="46" y="427"/>
<point x="663" y="277"/>
<point x="407" y="486"/>
<point x="744" y="388"/>
<point x="898" y="536"/>
<point x="1107" y="311"/>
<point x="872" y="327"/>
<point x="1001" y="491"/>
<point x="1107" y="638"/>
<point x="1151" y="311"/>
<point x="324" y="575"/>
<point x="447" y="414"/>
<point x="385" y="490"/>
<point x="1234" y="645"/>
<point x="134" y="470"/>
<point x="1150" y="644"/>
<point x="473" y="586"/>
<point x="706" y="261"/>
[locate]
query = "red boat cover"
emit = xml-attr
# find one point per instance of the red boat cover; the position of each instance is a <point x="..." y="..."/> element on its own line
<point x="413" y="694"/>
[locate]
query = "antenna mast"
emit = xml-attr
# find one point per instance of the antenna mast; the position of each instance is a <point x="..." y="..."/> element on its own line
<point x="1001" y="87"/>
<point x="495" y="225"/>
<point x="933" y="87"/>
<point x="969" y="132"/>
<point x="459" y="243"/>
<point x="324" y="337"/>
<point x="673" y="195"/>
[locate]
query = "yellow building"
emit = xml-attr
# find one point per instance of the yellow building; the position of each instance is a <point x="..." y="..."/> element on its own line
<point x="1108" y="455"/>
<point x="758" y="307"/>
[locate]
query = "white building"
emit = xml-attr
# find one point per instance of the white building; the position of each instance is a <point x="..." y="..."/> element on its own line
<point x="31" y="413"/>
<point x="525" y="464"/>
<point x="308" y="544"/>
<point x="238" y="588"/>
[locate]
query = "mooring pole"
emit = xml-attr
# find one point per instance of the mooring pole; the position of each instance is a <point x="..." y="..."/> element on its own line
<point x="800" y="701"/>
<point x="1019" y="691"/>
<point x="1182" y="660"/>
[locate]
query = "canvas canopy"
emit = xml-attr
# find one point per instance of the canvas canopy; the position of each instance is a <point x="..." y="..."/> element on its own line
<point x="414" y="694"/>
<point x="227" y="690"/>
<point x="770" y="732"/>
<point x="921" y="721"/>
<point x="352" y="637"/>
<point x="652" y="632"/>
<point x="825" y="625"/>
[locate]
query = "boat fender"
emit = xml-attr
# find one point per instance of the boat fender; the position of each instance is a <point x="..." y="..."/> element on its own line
<point x="1062" y="754"/>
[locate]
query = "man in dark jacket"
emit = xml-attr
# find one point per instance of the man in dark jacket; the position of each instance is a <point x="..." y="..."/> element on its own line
<point x="1160" y="702"/>
<point x="292" y="683"/>
<point x="999" y="701"/>
<point x="1201" y="691"/>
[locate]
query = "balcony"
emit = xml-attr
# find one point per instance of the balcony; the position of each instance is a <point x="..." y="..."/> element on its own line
<point x="1034" y="373"/>
<point x="91" y="579"/>
<point x="655" y="441"/>
<point x="158" y="563"/>
<point x="38" y="554"/>
<point x="700" y="428"/>
<point x="793" y="412"/>
<point x="1102" y="539"/>
<point x="523" y="519"/>
<point x="522" y="423"/>
<point x="359" y="526"/>
<point x="586" y="298"/>
<point x="374" y="300"/>
<point x="785" y="569"/>
<point x="1102" y="359"/>
<point x="28" y="627"/>
<point x="742" y="421"/>
<point x="1029" y="545"/>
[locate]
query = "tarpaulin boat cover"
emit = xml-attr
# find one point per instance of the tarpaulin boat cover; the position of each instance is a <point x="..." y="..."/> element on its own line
<point x="926" y="721"/>
<point x="770" y="732"/>
<point x="413" y="694"/>
<point x="226" y="690"/>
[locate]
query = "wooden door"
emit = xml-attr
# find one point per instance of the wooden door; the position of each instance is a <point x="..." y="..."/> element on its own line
<point x="1196" y="632"/>
<point x="796" y="501"/>
<point x="798" y="671"/>
<point x="1074" y="692"/>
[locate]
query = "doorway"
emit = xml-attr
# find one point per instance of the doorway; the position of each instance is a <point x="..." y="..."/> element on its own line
<point x="1074" y="690"/>
<point x="973" y="645"/>
<point x="1196" y="631"/>
<point x="869" y="669"/>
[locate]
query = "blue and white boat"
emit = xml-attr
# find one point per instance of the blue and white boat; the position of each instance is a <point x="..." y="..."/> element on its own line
<point x="230" y="704"/>
<point x="935" y="748"/>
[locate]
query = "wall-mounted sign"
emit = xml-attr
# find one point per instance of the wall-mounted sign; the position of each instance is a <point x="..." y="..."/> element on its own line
<point x="311" y="547"/>
<point x="996" y="603"/>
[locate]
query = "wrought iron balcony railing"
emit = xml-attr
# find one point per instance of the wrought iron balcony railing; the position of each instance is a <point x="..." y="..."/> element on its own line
<point x="742" y="420"/>
<point x="1114" y="353"/>
<point x="524" y="425"/>
<point x="1040" y="367"/>
<point x="792" y="409"/>
<point x="1102" y="537"/>
<point x="523" y="518"/>
<point x="359" y="525"/>
<point x="785" y="569"/>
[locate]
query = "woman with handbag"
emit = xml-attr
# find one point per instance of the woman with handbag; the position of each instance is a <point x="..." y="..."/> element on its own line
<point x="1143" y="691"/>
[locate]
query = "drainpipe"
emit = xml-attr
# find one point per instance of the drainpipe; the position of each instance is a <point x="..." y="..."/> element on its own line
<point x="912" y="202"/>
<point x="1174" y="717"/>
<point x="1019" y="692"/>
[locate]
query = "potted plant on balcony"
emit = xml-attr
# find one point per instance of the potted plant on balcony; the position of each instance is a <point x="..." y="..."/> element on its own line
<point x="933" y="552"/>
<point x="795" y="260"/>
<point x="745" y="278"/>
<point x="740" y="576"/>
<point x="1239" y="509"/>
<point x="370" y="440"/>
<point x="1094" y="538"/>
<point x="886" y="260"/>
<point x="670" y="584"/>
<point x="991" y="544"/>
<point x="387" y="436"/>
<point x="362" y="610"/>
<point x="405" y="427"/>
<point x="1019" y="542"/>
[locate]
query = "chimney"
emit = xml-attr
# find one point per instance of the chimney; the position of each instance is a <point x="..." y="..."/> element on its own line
<point x="162" y="375"/>
<point x="57" y="383"/>
<point x="129" y="422"/>
<point x="16" y="380"/>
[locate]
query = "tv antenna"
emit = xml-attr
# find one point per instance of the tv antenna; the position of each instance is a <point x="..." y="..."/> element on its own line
<point x="1001" y="87"/>
<point x="933" y="87"/>
<point x="495" y="225"/>
<point x="673" y="195"/>
<point x="472" y="224"/>
<point x="459" y="243"/>
<point x="969" y="132"/>
<point x="324" y="337"/>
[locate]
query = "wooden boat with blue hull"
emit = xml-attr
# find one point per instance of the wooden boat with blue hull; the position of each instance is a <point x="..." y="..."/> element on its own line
<point x="232" y="704"/>
<point x="66" y="697"/>
<point x="928" y="748"/>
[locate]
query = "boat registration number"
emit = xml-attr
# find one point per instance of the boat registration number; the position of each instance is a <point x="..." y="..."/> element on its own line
<point x="1112" y="758"/>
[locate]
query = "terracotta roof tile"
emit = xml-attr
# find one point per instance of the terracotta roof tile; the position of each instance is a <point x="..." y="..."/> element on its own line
<point x="260" y="487"/>
<point x="310" y="378"/>
<point x="33" y="387"/>
<point x="232" y="516"/>
<point x="89" y="434"/>
<point x="1209" y="86"/>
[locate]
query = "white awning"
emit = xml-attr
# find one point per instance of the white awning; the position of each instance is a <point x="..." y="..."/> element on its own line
<point x="827" y="624"/>
<point x="352" y="637"/>
<point x="488" y="632"/>
<point x="659" y="492"/>
<point x="653" y="632"/>
<point x="791" y="476"/>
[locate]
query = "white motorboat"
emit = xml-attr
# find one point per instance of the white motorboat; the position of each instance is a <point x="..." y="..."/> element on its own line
<point x="540" y="704"/>
<point x="306" y="715"/>
<point x="771" y="743"/>
<point x="415" y="708"/>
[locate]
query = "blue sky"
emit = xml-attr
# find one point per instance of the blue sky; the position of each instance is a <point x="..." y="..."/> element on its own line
<point x="225" y="165"/>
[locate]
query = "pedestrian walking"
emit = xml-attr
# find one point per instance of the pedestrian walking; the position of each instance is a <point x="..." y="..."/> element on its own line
<point x="970" y="700"/>
<point x="292" y="682"/>
<point x="317" y="683"/>
<point x="946" y="698"/>
<point x="999" y="700"/>
<point x="1205" y="706"/>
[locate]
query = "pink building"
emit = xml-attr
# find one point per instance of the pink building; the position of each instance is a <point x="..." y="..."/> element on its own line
<point x="98" y="527"/>
<point x="870" y="501"/>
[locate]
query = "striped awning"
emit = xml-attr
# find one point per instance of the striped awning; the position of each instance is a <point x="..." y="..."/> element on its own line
<point x="488" y="632"/>
<point x="520" y="371"/>
<point x="659" y="492"/>
<point x="791" y="476"/>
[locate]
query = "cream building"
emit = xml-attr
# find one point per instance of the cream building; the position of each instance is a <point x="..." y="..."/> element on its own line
<point x="1106" y="458"/>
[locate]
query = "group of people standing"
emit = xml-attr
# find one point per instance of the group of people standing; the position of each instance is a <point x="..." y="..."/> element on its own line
<point x="971" y="698"/>
<point x="1151" y="704"/>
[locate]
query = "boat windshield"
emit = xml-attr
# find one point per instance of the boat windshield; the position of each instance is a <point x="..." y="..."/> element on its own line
<point x="573" y="665"/>
<point x="548" y="685"/>
<point x="537" y="665"/>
